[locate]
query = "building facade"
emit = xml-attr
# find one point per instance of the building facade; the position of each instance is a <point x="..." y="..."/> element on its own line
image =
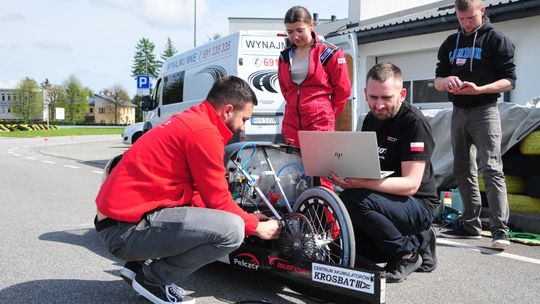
<point x="105" y="110"/>
<point x="6" y="97"/>
<point x="410" y="38"/>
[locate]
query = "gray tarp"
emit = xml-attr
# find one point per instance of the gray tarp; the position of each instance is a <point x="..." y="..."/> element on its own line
<point x="517" y="122"/>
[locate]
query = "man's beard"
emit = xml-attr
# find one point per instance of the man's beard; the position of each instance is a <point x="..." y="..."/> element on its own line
<point x="230" y="123"/>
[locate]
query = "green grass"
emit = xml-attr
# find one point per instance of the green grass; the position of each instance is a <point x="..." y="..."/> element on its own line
<point x="63" y="132"/>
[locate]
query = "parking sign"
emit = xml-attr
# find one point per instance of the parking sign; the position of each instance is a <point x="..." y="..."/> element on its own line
<point x="143" y="82"/>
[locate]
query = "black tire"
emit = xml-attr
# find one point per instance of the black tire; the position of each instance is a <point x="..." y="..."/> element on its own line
<point x="135" y="137"/>
<point x="312" y="203"/>
<point x="533" y="188"/>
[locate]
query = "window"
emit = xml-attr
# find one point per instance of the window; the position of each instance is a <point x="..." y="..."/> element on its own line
<point x="91" y="110"/>
<point x="101" y="110"/>
<point x="423" y="94"/>
<point x="174" y="88"/>
<point x="3" y="97"/>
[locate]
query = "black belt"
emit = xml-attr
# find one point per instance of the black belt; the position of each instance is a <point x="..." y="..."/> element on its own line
<point x="104" y="223"/>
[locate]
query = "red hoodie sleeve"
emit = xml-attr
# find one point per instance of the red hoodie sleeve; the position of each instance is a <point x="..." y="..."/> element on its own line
<point x="206" y="154"/>
<point x="339" y="77"/>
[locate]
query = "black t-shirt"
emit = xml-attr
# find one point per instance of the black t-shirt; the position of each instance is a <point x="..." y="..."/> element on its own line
<point x="406" y="137"/>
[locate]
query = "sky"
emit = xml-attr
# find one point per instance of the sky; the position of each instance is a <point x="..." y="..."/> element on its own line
<point x="95" y="39"/>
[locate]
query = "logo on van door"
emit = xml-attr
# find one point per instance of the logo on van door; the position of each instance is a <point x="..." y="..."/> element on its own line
<point x="215" y="71"/>
<point x="264" y="80"/>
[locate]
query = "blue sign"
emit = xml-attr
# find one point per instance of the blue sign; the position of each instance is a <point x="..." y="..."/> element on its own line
<point x="143" y="82"/>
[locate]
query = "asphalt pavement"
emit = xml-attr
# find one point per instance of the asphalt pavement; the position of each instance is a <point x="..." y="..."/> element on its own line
<point x="51" y="253"/>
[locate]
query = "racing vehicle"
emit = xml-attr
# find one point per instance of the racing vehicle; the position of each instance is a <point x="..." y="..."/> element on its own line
<point x="315" y="252"/>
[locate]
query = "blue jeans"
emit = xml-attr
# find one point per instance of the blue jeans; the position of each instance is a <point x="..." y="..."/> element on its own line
<point x="180" y="240"/>
<point x="385" y="225"/>
<point x="476" y="136"/>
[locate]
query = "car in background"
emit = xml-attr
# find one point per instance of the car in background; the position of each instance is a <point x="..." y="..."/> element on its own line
<point x="132" y="133"/>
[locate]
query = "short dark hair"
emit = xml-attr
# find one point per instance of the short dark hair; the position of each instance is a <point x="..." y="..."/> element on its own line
<point x="231" y="90"/>
<point x="384" y="71"/>
<point x="297" y="13"/>
<point x="463" y="5"/>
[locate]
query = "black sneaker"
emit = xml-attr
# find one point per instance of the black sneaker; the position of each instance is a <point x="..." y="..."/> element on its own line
<point x="500" y="239"/>
<point x="160" y="294"/>
<point x="427" y="251"/>
<point x="460" y="233"/>
<point x="398" y="271"/>
<point x="130" y="270"/>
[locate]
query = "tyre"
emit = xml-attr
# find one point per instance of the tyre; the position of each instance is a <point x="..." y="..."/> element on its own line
<point x="524" y="204"/>
<point x="135" y="137"/>
<point x="514" y="184"/>
<point x="531" y="144"/>
<point x="517" y="164"/>
<point x="331" y="224"/>
<point x="533" y="183"/>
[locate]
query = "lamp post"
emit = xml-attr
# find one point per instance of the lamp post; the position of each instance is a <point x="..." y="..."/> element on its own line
<point x="194" y="23"/>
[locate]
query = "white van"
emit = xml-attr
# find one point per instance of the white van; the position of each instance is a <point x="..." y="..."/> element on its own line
<point x="186" y="78"/>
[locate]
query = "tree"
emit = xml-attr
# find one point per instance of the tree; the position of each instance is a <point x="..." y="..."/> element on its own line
<point x="52" y="95"/>
<point x="76" y="100"/>
<point x="138" y="112"/>
<point x="169" y="51"/>
<point x="119" y="95"/>
<point x="28" y="102"/>
<point x="144" y="61"/>
<point x="216" y="36"/>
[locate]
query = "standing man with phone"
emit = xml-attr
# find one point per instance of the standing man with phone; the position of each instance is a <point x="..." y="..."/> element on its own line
<point x="475" y="65"/>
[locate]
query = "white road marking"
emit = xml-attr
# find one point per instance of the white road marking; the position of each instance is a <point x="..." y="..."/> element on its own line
<point x="48" y="162"/>
<point x="73" y="167"/>
<point x="489" y="251"/>
<point x="30" y="158"/>
<point x="98" y="172"/>
<point x="18" y="155"/>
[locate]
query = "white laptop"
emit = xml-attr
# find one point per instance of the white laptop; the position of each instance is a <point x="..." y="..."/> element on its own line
<point x="347" y="153"/>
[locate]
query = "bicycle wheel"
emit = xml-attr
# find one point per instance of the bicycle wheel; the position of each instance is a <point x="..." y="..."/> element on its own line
<point x="334" y="235"/>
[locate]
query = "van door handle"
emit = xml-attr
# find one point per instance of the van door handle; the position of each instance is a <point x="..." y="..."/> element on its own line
<point x="159" y="112"/>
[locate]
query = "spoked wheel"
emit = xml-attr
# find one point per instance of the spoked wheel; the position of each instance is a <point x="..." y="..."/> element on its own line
<point x="332" y="226"/>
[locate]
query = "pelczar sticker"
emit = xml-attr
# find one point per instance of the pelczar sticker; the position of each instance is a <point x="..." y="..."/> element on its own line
<point x="342" y="277"/>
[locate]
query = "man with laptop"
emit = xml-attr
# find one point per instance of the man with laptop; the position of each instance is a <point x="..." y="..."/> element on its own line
<point x="392" y="215"/>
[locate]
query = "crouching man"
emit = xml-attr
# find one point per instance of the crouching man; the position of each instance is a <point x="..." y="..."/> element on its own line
<point x="167" y="200"/>
<point x="392" y="216"/>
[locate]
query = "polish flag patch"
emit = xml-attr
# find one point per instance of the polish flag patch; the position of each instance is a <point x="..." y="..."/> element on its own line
<point x="417" y="146"/>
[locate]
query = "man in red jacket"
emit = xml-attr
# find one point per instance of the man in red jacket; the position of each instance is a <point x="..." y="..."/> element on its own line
<point x="167" y="200"/>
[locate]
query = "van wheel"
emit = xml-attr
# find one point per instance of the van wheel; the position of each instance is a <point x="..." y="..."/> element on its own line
<point x="135" y="137"/>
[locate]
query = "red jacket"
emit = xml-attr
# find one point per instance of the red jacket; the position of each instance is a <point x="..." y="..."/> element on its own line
<point x="320" y="98"/>
<point x="177" y="163"/>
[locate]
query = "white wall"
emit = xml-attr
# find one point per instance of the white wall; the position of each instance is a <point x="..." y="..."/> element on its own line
<point x="524" y="34"/>
<point x="366" y="9"/>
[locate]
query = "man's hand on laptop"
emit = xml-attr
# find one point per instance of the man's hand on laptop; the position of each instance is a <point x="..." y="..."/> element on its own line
<point x="345" y="182"/>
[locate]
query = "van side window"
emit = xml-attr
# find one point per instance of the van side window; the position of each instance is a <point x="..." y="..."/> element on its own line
<point x="173" y="90"/>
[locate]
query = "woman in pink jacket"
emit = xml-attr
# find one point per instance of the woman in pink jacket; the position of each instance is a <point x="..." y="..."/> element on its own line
<point x="313" y="77"/>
